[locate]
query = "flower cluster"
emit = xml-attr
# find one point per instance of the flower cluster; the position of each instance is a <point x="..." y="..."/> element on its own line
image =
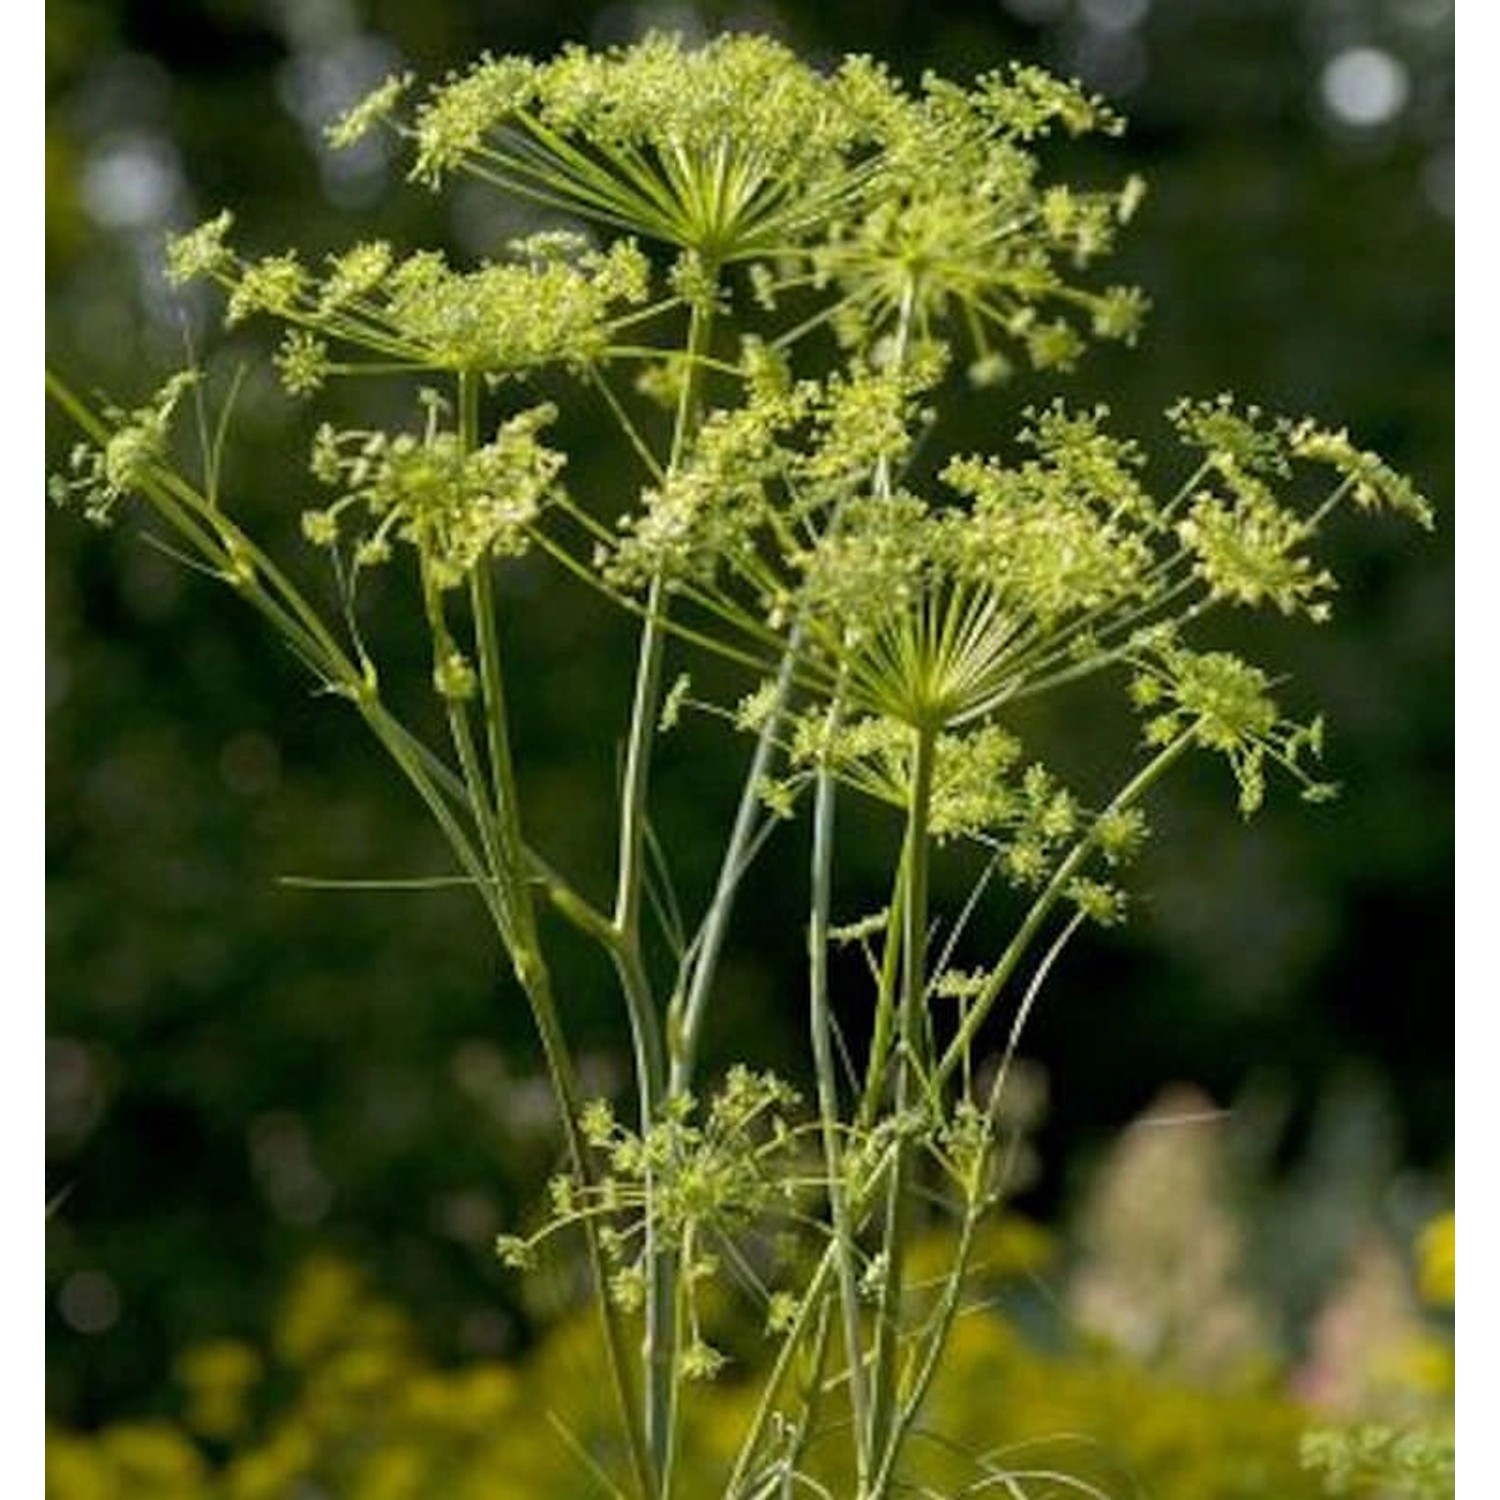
<point x="982" y="791"/>
<point x="1226" y="704"/>
<point x="925" y="206"/>
<point x="1373" y="484"/>
<point x="783" y="461"/>
<point x="732" y="149"/>
<point x="704" y="1179"/>
<point x="553" y="300"/>
<point x="1249" y="441"/>
<point x="936" y="614"/>
<point x="957" y="231"/>
<point x="930" y="613"/>
<point x="454" y="505"/>
<point x="1246" y="548"/>
<point x="101" y="475"/>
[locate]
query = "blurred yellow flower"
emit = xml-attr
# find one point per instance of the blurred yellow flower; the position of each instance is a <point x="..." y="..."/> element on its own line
<point x="219" y="1376"/>
<point x="152" y="1461"/>
<point x="323" y="1295"/>
<point x="1437" y="1262"/>
<point x="76" y="1469"/>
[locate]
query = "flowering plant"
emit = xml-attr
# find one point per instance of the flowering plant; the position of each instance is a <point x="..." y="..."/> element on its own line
<point x="767" y="276"/>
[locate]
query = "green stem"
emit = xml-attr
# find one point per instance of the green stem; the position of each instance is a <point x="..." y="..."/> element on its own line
<point x="629" y="883"/>
<point x="685" y="1025"/>
<point x="885" y="1000"/>
<point x="498" y="829"/>
<point x="880" y="1042"/>
<point x="645" y="704"/>
<point x="907" y="1414"/>
<point x="236" y="558"/>
<point x="828" y="1104"/>
<point x="536" y="983"/>
<point x="976" y="1201"/>
<point x="503" y="875"/>
<point x="486" y="633"/>
<point x="911" y="1042"/>
<point x="812" y="1394"/>
<point x="660" y="1351"/>
<point x="498" y="817"/>
<point x="810" y="1305"/>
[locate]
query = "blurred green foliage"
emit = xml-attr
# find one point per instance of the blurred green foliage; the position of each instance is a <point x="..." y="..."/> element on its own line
<point x="239" y="1071"/>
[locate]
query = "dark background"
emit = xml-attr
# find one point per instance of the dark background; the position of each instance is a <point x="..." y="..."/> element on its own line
<point x="238" y="1072"/>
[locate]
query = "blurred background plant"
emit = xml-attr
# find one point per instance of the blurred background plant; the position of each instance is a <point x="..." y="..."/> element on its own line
<point x="345" y="1397"/>
<point x="242" y="1076"/>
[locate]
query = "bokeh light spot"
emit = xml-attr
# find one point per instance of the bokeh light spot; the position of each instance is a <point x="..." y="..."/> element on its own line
<point x="1364" y="86"/>
<point x="89" y="1302"/>
<point x="133" y="183"/>
<point x="75" y="1089"/>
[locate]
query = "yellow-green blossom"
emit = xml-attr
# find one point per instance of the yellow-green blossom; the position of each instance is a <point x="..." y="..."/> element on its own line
<point x="101" y="476"/>
<point x="455" y="505"/>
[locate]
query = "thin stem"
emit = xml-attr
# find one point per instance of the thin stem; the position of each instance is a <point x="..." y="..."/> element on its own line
<point x="622" y="418"/>
<point x="660" y="1351"/>
<point x="828" y="1103"/>
<point x="911" y="1043"/>
<point x="643" y="713"/>
<point x="585" y="574"/>
<point x="685" y="1025"/>
<point x="535" y="979"/>
<point x="486" y="633"/>
<point x="505" y="868"/>
<point x="537" y="982"/>
<point x="812" y="1297"/>
<point x="976" y="1201"/>
<point x="813" y="1388"/>
<point x="885" y="999"/>
<point x="629" y="879"/>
